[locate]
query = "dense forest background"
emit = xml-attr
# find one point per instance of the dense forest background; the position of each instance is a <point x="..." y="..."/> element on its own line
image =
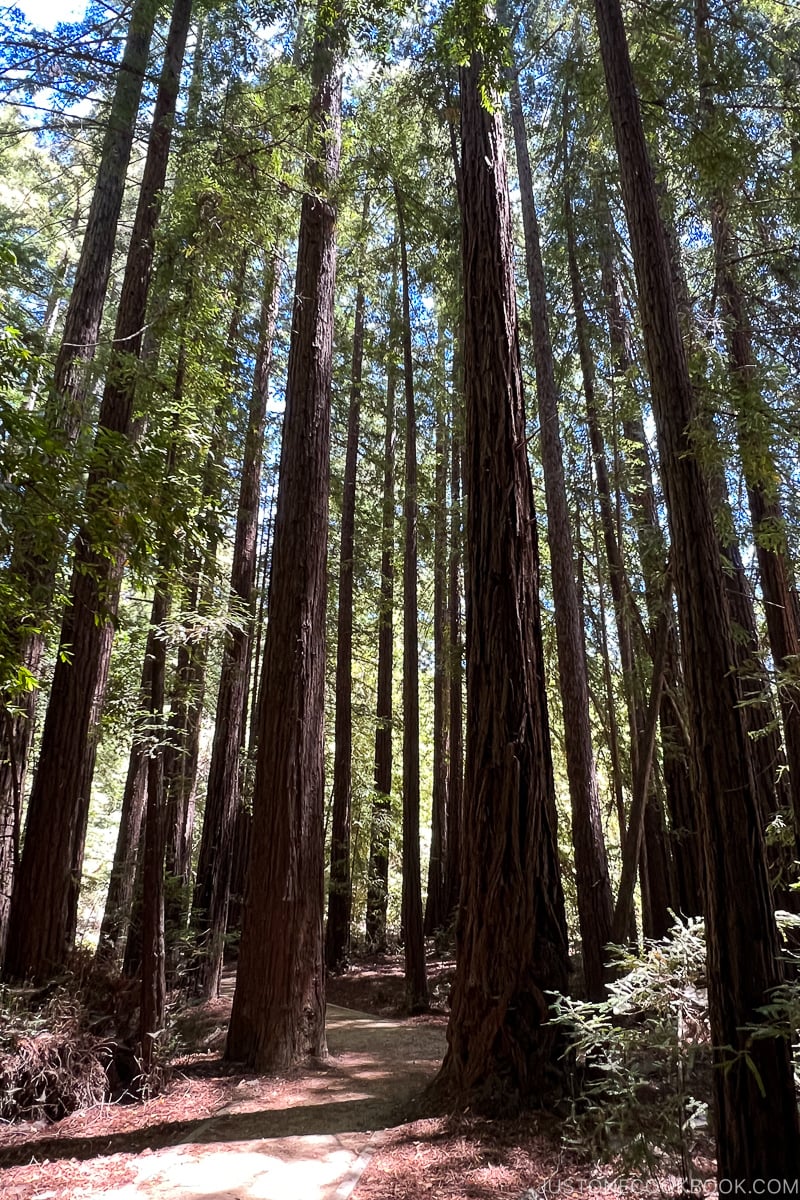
<point x="310" y="318"/>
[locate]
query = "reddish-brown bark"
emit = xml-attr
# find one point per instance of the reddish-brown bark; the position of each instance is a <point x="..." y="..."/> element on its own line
<point x="378" y="881"/>
<point x="411" y="903"/>
<point x="756" y="1109"/>
<point x="340" y="888"/>
<point x="511" y="931"/>
<point x="592" y="880"/>
<point x="278" y="1015"/>
<point x="42" y="911"/>
<point x="212" y="883"/>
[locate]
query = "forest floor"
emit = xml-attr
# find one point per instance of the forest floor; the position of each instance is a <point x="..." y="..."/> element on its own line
<point x="349" y="1129"/>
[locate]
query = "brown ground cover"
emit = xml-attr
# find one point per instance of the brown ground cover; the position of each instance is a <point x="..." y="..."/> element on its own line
<point x="448" y="1158"/>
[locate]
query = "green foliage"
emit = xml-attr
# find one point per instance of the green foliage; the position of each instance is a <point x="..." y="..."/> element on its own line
<point x="468" y="31"/>
<point x="640" y="1060"/>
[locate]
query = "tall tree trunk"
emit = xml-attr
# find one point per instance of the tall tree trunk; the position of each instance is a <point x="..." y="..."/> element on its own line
<point x="684" y="836"/>
<point x="152" y="1010"/>
<point x="380" y="827"/>
<point x="591" y="865"/>
<point x="42" y="909"/>
<point x="411" y="901"/>
<point x="119" y="899"/>
<point x="657" y="897"/>
<point x="455" y="645"/>
<point x="340" y="889"/>
<point x="511" y="937"/>
<point x="754" y="436"/>
<point x="436" y="908"/>
<point x="182" y="754"/>
<point x="756" y="1111"/>
<point x="278" y="1015"/>
<point x="35" y="563"/>
<point x="212" y="884"/>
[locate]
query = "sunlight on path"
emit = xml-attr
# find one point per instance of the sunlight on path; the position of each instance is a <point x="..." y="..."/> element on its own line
<point x="311" y="1144"/>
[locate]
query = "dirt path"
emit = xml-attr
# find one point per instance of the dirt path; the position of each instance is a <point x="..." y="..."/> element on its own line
<point x="306" y="1138"/>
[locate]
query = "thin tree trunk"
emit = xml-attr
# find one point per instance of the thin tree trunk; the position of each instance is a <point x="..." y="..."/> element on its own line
<point x="455" y="779"/>
<point x="152" y="1011"/>
<point x="411" y="902"/>
<point x="119" y="899"/>
<point x="591" y="865"/>
<point x="380" y="828"/>
<point x="754" y="436"/>
<point x="758" y="1136"/>
<point x="511" y="937"/>
<point x="436" y="909"/>
<point x="340" y="888"/>
<point x="182" y="753"/>
<point x="777" y="586"/>
<point x="278" y="1016"/>
<point x="684" y="836"/>
<point x="634" y="834"/>
<point x="212" y="884"/>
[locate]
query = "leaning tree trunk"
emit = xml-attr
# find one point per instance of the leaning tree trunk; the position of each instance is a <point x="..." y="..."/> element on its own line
<point x="42" y="911"/>
<point x="340" y="888"/>
<point x="591" y="865"/>
<point x="278" y="1015"/>
<point x="756" y="1111"/>
<point x="35" y="564"/>
<point x="652" y="553"/>
<point x="754" y="435"/>
<point x="411" y="901"/>
<point x="380" y="828"/>
<point x="212" y="885"/>
<point x="511" y="937"/>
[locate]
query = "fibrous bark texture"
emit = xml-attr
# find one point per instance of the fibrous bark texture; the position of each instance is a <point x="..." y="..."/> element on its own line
<point x="756" y="1109"/>
<point x="278" y="1016"/>
<point x="511" y="933"/>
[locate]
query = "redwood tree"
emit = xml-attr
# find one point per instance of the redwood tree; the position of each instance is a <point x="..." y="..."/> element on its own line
<point x="756" y="1109"/>
<point x="45" y="897"/>
<point x="214" y="863"/>
<point x="340" y="888"/>
<point x="411" y="903"/>
<point x="34" y="564"/>
<point x="511" y="938"/>
<point x="278" y="1015"/>
<point x="378" y="870"/>
<point x="592" y="881"/>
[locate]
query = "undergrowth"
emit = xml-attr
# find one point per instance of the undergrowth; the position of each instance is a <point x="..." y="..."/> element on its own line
<point x="69" y="1045"/>
<point x="640" y="1062"/>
